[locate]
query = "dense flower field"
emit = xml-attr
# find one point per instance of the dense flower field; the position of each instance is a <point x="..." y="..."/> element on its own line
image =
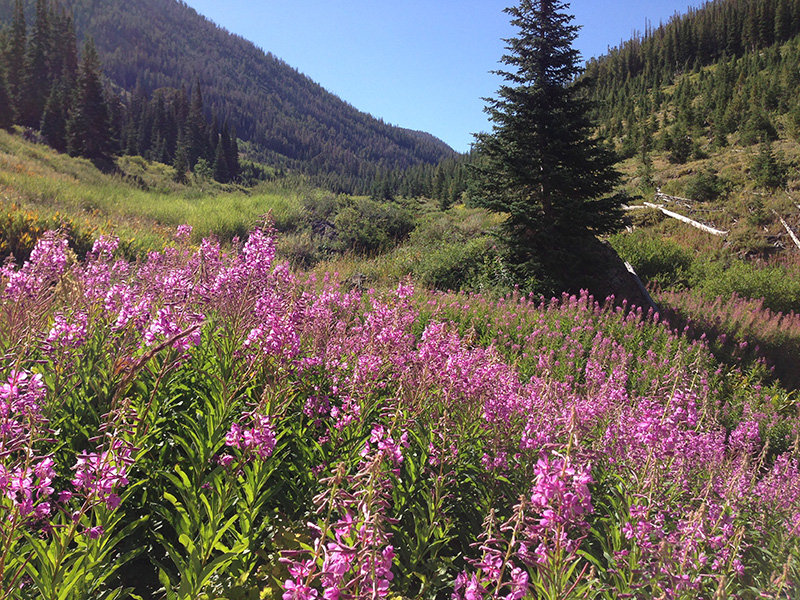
<point x="208" y="424"/>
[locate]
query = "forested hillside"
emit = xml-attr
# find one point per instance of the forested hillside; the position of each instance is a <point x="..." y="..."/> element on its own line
<point x="744" y="55"/>
<point x="289" y="120"/>
<point x="705" y="113"/>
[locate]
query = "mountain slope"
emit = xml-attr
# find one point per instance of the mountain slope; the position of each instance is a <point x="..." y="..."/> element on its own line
<point x="718" y="123"/>
<point x="290" y="120"/>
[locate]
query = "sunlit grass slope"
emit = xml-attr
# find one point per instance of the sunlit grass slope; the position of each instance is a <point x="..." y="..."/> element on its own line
<point x="135" y="200"/>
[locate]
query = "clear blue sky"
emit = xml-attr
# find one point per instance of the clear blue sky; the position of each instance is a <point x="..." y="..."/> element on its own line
<point x="420" y="64"/>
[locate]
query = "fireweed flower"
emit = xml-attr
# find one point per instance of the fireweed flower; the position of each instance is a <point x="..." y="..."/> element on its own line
<point x="468" y="587"/>
<point x="65" y="334"/>
<point x="169" y="322"/>
<point x="563" y="500"/>
<point x="182" y="232"/>
<point x="258" y="439"/>
<point x="48" y="262"/>
<point x="21" y="396"/>
<point x="99" y="475"/>
<point x="386" y="446"/>
<point x="29" y="488"/>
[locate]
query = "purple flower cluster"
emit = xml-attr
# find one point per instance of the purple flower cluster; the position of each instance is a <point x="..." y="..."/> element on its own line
<point x="352" y="556"/>
<point x="47" y="263"/>
<point x="562" y="500"/>
<point x="65" y="334"/>
<point x="258" y="439"/>
<point x="28" y="488"/>
<point x="387" y="448"/>
<point x="100" y="475"/>
<point x="168" y="323"/>
<point x="561" y="401"/>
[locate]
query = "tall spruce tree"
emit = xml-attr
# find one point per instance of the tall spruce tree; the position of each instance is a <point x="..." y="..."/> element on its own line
<point x="54" y="119"/>
<point x="38" y="73"/>
<point x="89" y="127"/>
<point x="541" y="165"/>
<point x="15" y="58"/>
<point x="6" y="108"/>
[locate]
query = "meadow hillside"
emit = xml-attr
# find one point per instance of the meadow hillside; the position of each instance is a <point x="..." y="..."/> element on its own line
<point x="376" y="243"/>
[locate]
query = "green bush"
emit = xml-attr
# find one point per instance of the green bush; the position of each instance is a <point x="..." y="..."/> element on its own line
<point x="780" y="291"/>
<point x="369" y="226"/>
<point x="655" y="260"/>
<point x="300" y="249"/>
<point x="453" y="265"/>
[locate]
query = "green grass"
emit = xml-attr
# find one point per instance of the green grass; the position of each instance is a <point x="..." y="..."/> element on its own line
<point x="136" y="201"/>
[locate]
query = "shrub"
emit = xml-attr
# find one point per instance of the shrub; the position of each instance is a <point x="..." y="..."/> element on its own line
<point x="452" y="265"/>
<point x="778" y="289"/>
<point x="300" y="249"/>
<point x="21" y="229"/>
<point x="654" y="259"/>
<point x="369" y="226"/>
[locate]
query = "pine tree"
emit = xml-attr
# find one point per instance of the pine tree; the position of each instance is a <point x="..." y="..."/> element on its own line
<point x="181" y="162"/>
<point x="221" y="172"/>
<point x="768" y="170"/>
<point x="64" y="63"/>
<point x="232" y="153"/>
<point x="15" y="58"/>
<point x="89" y="128"/>
<point x="196" y="139"/>
<point x="38" y="74"/>
<point x="6" y="108"/>
<point x="540" y="164"/>
<point x="783" y="21"/>
<point x="54" y="120"/>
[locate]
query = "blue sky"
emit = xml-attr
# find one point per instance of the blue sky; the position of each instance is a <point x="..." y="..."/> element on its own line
<point x="420" y="64"/>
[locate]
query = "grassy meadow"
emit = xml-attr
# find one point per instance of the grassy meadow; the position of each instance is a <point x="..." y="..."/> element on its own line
<point x="307" y="412"/>
<point x="137" y="200"/>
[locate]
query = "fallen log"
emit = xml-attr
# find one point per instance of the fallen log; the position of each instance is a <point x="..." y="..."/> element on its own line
<point x="697" y="224"/>
<point x="788" y="230"/>
<point x="687" y="202"/>
<point x="641" y="287"/>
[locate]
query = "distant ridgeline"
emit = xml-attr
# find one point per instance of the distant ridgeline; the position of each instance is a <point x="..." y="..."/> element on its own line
<point x="731" y="66"/>
<point x="288" y="120"/>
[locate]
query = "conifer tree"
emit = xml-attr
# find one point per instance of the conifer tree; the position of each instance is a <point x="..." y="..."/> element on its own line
<point x="38" y="73"/>
<point x="540" y="164"/>
<point x="221" y="172"/>
<point x="181" y="162"/>
<point x="196" y="139"/>
<point x="232" y="153"/>
<point x="54" y="120"/>
<point x="768" y="170"/>
<point x="783" y="21"/>
<point x="15" y="58"/>
<point x="6" y="108"/>
<point x="64" y="63"/>
<point x="88" y="128"/>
